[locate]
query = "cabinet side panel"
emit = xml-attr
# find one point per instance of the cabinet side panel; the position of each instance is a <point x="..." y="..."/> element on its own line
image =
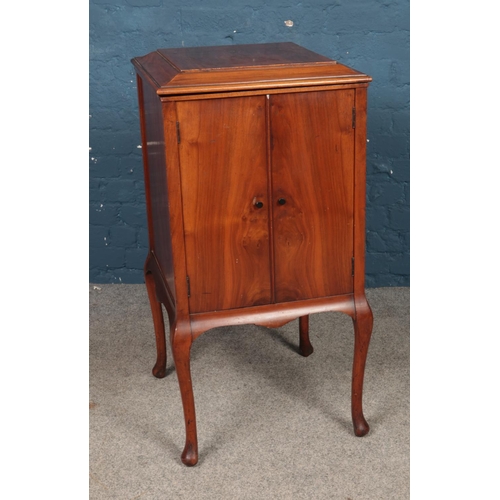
<point x="312" y="158"/>
<point x="223" y="164"/>
<point x="360" y="192"/>
<point x="156" y="183"/>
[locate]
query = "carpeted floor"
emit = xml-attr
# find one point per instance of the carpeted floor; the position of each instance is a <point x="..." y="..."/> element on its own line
<point x="271" y="424"/>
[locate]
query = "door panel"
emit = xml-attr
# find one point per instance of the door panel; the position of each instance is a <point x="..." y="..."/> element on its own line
<point x="224" y="179"/>
<point x="312" y="158"/>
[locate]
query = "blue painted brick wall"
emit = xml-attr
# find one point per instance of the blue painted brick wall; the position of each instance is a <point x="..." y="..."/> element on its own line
<point x="369" y="35"/>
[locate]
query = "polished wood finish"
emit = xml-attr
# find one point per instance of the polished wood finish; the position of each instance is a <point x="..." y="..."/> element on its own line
<point x="363" y="318"/>
<point x="155" y="180"/>
<point x="234" y="57"/>
<point x="254" y="163"/>
<point x="223" y="164"/>
<point x="363" y="323"/>
<point x="181" y="341"/>
<point x="305" y="347"/>
<point x="273" y="315"/>
<point x="240" y="67"/>
<point x="312" y="167"/>
<point x="247" y="93"/>
<point x="160" y="367"/>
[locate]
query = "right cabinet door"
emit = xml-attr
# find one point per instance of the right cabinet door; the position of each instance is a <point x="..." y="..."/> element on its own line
<point x="312" y="169"/>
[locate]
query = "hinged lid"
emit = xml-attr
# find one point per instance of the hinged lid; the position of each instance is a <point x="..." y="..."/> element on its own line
<point x="241" y="67"/>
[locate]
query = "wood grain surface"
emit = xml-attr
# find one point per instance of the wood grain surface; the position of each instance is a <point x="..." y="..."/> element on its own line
<point x="256" y="201"/>
<point x="196" y="70"/>
<point x="312" y="170"/>
<point x="224" y="178"/>
<point x="155" y="180"/>
<point x="227" y="57"/>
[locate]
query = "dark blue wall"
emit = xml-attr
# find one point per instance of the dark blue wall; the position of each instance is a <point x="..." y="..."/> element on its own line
<point x="369" y="35"/>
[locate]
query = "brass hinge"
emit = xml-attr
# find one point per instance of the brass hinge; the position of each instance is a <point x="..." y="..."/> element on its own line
<point x="188" y="286"/>
<point x="178" y="132"/>
<point x="352" y="266"/>
<point x="353" y="117"/>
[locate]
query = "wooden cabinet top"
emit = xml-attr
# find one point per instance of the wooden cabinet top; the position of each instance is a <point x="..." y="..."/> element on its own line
<point x="193" y="70"/>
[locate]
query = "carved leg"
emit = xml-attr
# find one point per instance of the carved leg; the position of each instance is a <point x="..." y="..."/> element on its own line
<point x="181" y="341"/>
<point x="305" y="347"/>
<point x="160" y="368"/>
<point x="363" y="322"/>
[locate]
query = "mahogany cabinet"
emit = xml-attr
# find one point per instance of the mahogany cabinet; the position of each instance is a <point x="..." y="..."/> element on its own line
<point x="254" y="160"/>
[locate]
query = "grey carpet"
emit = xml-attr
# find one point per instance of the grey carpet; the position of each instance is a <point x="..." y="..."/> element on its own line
<point x="271" y="424"/>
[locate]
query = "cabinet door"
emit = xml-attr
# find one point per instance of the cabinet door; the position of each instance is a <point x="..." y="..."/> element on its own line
<point x="223" y="165"/>
<point x="312" y="158"/>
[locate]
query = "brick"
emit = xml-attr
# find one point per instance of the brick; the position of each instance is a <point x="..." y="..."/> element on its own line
<point x="386" y="279"/>
<point x="389" y="96"/>
<point x="376" y="218"/>
<point x="123" y="275"/>
<point x="393" y="239"/>
<point x="102" y="118"/>
<point x="98" y="236"/>
<point x="389" y="146"/>
<point x="401" y="170"/>
<point x="143" y="3"/>
<point x="306" y="19"/>
<point x="132" y="162"/>
<point x="122" y="190"/>
<point x="387" y="193"/>
<point x="357" y="17"/>
<point x="210" y="20"/>
<point x="400" y="265"/>
<point x="123" y="142"/>
<point x="386" y="240"/>
<point x="142" y="237"/>
<point x="401" y="122"/>
<point x="105" y="167"/>
<point x="97" y="276"/>
<point x="131" y="166"/>
<point x="376" y="166"/>
<point x="222" y="4"/>
<point x="122" y="236"/>
<point x="134" y="215"/>
<point x="406" y="240"/>
<point x="125" y="25"/>
<point x="375" y="242"/>
<point x="135" y="258"/>
<point x="402" y="280"/>
<point x="379" y="279"/>
<point x="371" y="280"/>
<point x="107" y="257"/>
<point x="110" y="142"/>
<point x="376" y="67"/>
<point x="94" y="191"/>
<point x="399" y="218"/>
<point x="377" y="263"/>
<point x="102" y="215"/>
<point x="140" y="189"/>
<point x="407" y="193"/>
<point x="379" y="122"/>
<point x="393" y="46"/>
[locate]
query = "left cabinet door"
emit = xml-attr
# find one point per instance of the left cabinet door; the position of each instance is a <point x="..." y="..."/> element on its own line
<point x="223" y="164"/>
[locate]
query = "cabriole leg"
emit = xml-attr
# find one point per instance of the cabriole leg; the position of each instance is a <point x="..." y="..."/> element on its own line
<point x="305" y="347"/>
<point x="363" y="323"/>
<point x="160" y="368"/>
<point x="181" y="341"/>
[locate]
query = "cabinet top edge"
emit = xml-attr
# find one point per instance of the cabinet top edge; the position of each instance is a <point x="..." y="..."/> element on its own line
<point x="233" y="67"/>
